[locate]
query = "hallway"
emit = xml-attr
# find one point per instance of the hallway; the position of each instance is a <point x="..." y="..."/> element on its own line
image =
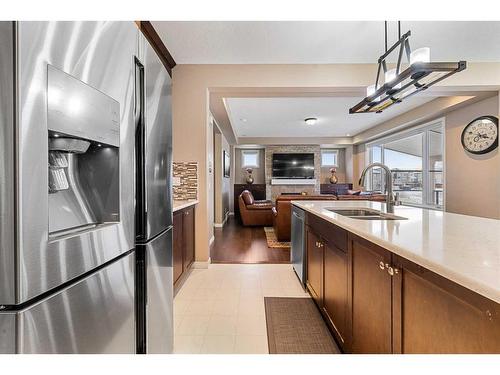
<point x="238" y="244"/>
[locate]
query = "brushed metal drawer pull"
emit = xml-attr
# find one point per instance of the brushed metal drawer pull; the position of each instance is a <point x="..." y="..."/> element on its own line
<point x="381" y="265"/>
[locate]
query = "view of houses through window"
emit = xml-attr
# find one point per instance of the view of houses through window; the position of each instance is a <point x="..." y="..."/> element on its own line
<point x="415" y="158"/>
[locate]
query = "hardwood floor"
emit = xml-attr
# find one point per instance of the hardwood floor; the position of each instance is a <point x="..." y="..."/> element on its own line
<point x="238" y="244"/>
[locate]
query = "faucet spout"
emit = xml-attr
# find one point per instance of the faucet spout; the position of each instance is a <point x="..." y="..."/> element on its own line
<point x="388" y="183"/>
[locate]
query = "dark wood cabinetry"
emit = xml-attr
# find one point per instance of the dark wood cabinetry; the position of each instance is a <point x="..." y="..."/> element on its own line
<point x="315" y="266"/>
<point x="434" y="315"/>
<point x="183" y="241"/>
<point x="377" y="302"/>
<point x="188" y="236"/>
<point x="177" y="245"/>
<point x="336" y="292"/>
<point x="371" y="299"/>
<point x="327" y="270"/>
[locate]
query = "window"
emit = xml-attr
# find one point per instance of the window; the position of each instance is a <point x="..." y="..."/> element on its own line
<point x="415" y="158"/>
<point x="249" y="158"/>
<point x="329" y="158"/>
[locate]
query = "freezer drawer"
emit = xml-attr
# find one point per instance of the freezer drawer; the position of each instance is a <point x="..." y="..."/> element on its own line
<point x="157" y="294"/>
<point x="95" y="315"/>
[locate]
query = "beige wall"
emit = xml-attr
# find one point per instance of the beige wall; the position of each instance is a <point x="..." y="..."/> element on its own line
<point x="190" y="99"/>
<point x="210" y="188"/>
<point x="240" y="174"/>
<point x="222" y="184"/>
<point x="358" y="163"/>
<point x="472" y="181"/>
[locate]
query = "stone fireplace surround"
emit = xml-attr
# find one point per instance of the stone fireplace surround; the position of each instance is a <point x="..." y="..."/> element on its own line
<point x="273" y="191"/>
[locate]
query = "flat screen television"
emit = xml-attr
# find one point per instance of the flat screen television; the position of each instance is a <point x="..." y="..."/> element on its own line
<point x="293" y="165"/>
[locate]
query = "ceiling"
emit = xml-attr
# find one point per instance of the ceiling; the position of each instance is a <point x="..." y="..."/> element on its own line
<point x="311" y="42"/>
<point x="284" y="116"/>
<point x="413" y="145"/>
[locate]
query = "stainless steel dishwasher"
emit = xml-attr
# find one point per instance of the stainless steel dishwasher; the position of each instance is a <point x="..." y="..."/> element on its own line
<point x="298" y="251"/>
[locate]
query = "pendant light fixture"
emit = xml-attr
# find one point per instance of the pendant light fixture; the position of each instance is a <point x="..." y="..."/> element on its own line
<point x="400" y="84"/>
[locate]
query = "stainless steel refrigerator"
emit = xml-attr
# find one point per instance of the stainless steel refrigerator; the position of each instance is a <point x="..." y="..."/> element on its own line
<point x="67" y="186"/>
<point x="154" y="270"/>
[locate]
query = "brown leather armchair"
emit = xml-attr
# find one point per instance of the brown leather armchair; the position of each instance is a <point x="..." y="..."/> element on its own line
<point x="255" y="213"/>
<point x="282" y="212"/>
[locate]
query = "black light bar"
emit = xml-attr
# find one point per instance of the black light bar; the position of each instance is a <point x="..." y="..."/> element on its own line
<point x="416" y="78"/>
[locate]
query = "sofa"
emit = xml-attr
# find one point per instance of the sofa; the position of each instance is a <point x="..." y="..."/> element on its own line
<point x="282" y="212"/>
<point x="255" y="212"/>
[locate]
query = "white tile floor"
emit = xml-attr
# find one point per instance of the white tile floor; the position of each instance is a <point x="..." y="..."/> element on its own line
<point x="221" y="309"/>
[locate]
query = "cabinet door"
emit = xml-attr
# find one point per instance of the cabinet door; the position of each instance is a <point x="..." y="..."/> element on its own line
<point x="371" y="299"/>
<point x="436" y="315"/>
<point x="315" y="266"/>
<point x="177" y="244"/>
<point x="188" y="237"/>
<point x="335" y="291"/>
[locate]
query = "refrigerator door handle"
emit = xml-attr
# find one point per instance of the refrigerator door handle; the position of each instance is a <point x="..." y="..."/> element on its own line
<point x="140" y="151"/>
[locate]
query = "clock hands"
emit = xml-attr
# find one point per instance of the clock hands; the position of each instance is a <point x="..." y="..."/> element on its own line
<point x="479" y="136"/>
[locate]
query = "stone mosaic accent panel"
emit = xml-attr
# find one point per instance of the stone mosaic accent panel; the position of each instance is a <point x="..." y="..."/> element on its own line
<point x="188" y="174"/>
<point x="273" y="191"/>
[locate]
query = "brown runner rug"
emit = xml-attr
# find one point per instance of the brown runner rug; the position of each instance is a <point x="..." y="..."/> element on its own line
<point x="295" y="326"/>
<point x="272" y="241"/>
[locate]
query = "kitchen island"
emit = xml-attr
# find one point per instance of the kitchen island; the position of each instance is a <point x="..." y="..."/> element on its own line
<point x="428" y="283"/>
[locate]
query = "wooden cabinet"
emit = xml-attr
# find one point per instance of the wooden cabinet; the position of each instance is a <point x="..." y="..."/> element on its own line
<point x="188" y="236"/>
<point x="183" y="241"/>
<point x="371" y="298"/>
<point x="177" y="245"/>
<point x="327" y="275"/>
<point x="315" y="266"/>
<point x="336" y="292"/>
<point x="434" y="315"/>
<point x="377" y="302"/>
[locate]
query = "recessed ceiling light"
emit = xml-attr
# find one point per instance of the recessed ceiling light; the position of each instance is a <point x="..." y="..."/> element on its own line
<point x="243" y="119"/>
<point x="311" y="120"/>
<point x="347" y="135"/>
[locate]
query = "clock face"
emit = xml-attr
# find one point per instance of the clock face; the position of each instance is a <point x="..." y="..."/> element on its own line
<point x="481" y="135"/>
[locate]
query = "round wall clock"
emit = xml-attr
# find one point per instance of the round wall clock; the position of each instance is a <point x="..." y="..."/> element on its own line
<point x="480" y="136"/>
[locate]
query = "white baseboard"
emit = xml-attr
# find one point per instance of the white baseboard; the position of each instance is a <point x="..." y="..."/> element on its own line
<point x="200" y="265"/>
<point x="221" y="225"/>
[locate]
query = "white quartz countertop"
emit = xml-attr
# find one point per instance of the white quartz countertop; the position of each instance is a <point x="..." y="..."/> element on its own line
<point x="464" y="249"/>
<point x="181" y="204"/>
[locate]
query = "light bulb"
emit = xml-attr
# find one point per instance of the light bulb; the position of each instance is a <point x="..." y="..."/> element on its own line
<point x="390" y="76"/>
<point x="370" y="90"/>
<point x="420" y="55"/>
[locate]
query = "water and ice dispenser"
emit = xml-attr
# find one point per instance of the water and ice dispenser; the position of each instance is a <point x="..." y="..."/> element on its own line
<point x="83" y="159"/>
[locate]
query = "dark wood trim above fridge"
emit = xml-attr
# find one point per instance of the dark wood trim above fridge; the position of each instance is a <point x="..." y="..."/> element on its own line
<point x="152" y="36"/>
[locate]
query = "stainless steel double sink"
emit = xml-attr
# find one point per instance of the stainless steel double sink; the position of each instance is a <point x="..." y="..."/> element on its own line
<point x="365" y="214"/>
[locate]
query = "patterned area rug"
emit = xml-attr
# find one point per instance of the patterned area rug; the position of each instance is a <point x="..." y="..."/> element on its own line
<point x="295" y="326"/>
<point x="272" y="241"/>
